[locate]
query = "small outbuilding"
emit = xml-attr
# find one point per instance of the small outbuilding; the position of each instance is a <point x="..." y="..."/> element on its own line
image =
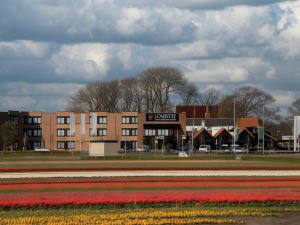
<point x="104" y="148"/>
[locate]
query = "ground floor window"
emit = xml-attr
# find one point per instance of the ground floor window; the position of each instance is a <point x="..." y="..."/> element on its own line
<point x="34" y="144"/>
<point x="65" y="144"/>
<point x="129" y="145"/>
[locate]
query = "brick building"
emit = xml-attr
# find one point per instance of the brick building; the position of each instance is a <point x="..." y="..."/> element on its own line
<point x="74" y="131"/>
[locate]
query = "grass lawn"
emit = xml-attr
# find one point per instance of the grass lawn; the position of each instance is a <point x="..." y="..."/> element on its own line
<point x="69" y="160"/>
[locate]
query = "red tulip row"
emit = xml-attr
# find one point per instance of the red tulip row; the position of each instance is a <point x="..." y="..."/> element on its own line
<point x="153" y="168"/>
<point x="158" y="183"/>
<point x="119" y="197"/>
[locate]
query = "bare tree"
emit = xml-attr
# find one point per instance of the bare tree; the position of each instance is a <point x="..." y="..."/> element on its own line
<point x="100" y="96"/>
<point x="210" y="97"/>
<point x="249" y="102"/>
<point x="189" y="94"/>
<point x="294" y="109"/>
<point x="127" y="87"/>
<point x="84" y="100"/>
<point x="159" y="84"/>
<point x="107" y="95"/>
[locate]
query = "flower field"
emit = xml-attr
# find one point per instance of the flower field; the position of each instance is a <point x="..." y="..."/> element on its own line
<point x="146" y="200"/>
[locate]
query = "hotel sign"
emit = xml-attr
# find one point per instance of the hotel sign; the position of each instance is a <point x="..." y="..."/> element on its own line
<point x="164" y="117"/>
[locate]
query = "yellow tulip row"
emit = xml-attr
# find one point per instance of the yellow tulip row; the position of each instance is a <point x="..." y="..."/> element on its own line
<point x="133" y="216"/>
<point x="95" y="220"/>
<point x="150" y="213"/>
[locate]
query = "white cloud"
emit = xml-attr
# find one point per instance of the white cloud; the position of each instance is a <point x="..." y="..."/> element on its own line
<point x="287" y="43"/>
<point x="284" y="97"/>
<point x="228" y="70"/>
<point x="82" y="60"/>
<point x="23" y="49"/>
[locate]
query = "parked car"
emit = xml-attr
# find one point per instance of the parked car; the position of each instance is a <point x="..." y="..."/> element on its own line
<point x="225" y="148"/>
<point x="233" y="146"/>
<point x="238" y="150"/>
<point x="204" y="148"/>
<point x="40" y="149"/>
<point x="184" y="148"/>
<point x="143" y="148"/>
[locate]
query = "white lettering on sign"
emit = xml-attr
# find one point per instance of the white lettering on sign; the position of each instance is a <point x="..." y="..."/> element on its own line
<point x="162" y="117"/>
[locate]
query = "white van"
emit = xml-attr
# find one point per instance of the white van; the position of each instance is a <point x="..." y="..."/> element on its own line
<point x="204" y="148"/>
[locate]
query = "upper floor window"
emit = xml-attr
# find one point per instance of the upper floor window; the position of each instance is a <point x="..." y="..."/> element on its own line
<point x="63" y="132"/>
<point x="162" y="132"/>
<point x="34" y="132"/>
<point x="129" y="119"/>
<point x="13" y="119"/>
<point x="150" y="132"/>
<point x="101" y="119"/>
<point x="99" y="132"/>
<point x="63" y="120"/>
<point x="129" y="132"/>
<point x="32" y="120"/>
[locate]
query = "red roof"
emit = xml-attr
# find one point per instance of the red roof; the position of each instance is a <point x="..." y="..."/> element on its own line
<point x="199" y="132"/>
<point x="248" y="122"/>
<point x="220" y="132"/>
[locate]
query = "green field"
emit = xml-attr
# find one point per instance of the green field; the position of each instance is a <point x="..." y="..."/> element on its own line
<point x="69" y="160"/>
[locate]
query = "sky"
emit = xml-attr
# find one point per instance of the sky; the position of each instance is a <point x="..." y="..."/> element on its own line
<point x="51" y="48"/>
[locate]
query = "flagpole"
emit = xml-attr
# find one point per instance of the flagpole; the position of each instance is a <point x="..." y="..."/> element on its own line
<point x="193" y="130"/>
<point x="234" y="130"/>
<point x="263" y="130"/>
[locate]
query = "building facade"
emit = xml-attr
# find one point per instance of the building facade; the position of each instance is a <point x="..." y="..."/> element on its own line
<point x="74" y="131"/>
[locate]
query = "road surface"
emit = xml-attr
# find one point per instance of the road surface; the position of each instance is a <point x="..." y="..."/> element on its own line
<point x="196" y="173"/>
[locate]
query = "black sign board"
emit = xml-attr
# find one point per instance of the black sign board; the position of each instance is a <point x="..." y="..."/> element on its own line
<point x="166" y="117"/>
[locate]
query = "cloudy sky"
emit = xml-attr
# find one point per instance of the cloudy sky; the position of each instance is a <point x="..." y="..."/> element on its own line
<point x="50" y="48"/>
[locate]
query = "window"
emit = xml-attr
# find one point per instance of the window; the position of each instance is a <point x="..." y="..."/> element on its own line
<point x="101" y="132"/>
<point x="71" y="144"/>
<point x="129" y="132"/>
<point x="134" y="119"/>
<point x="129" y="119"/>
<point x="33" y="132"/>
<point x="163" y="132"/>
<point x="36" y="144"/>
<point x="150" y="132"/>
<point x="134" y="132"/>
<point x="37" y="133"/>
<point x="13" y="119"/>
<point x="63" y="120"/>
<point x="101" y="119"/>
<point x="60" y="144"/>
<point x="32" y="120"/>
<point x="63" y="133"/>
<point x="60" y="132"/>
<point x="65" y="144"/>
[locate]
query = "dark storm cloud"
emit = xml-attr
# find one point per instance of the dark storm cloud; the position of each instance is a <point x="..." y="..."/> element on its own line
<point x="89" y="21"/>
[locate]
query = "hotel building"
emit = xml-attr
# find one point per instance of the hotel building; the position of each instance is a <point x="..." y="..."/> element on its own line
<point x="74" y="131"/>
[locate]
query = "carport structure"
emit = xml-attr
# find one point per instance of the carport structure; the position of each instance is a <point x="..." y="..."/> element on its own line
<point x="223" y="137"/>
<point x="203" y="137"/>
